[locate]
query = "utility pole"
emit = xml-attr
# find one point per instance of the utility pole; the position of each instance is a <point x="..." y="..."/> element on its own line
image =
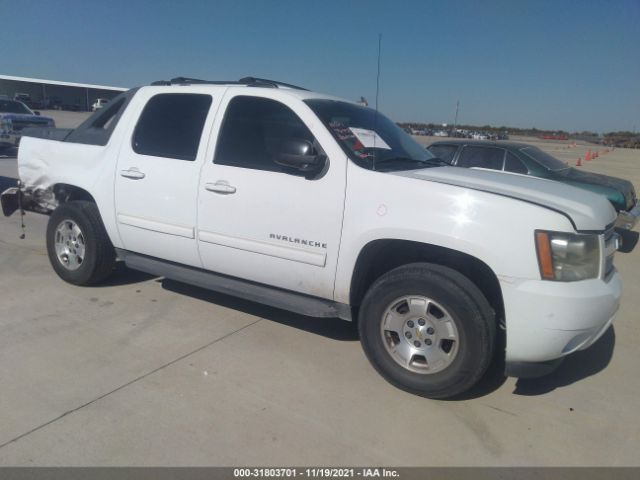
<point x="455" y="121"/>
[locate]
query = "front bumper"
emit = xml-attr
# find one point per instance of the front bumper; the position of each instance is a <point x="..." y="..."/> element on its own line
<point x="9" y="139"/>
<point x="546" y="321"/>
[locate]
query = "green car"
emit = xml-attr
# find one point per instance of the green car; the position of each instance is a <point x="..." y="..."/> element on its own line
<point x="530" y="160"/>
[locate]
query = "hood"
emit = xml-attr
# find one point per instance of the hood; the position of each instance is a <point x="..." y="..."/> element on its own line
<point x="619" y="191"/>
<point x="587" y="211"/>
<point x="24" y="117"/>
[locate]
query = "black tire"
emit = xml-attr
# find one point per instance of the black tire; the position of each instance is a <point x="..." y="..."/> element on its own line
<point x="466" y="306"/>
<point x="99" y="255"/>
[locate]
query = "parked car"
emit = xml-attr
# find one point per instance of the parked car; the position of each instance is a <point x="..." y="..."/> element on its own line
<point x="14" y="118"/>
<point x="324" y="207"/>
<point x="72" y="107"/>
<point x="530" y="160"/>
<point x="98" y="104"/>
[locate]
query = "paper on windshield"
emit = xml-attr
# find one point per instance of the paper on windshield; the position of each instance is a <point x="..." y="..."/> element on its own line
<point x="369" y="138"/>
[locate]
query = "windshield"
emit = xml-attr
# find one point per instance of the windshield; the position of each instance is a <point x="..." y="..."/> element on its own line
<point x="547" y="161"/>
<point x="371" y="140"/>
<point x="11" y="106"/>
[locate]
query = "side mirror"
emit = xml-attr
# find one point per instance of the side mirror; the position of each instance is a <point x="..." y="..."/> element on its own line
<point x="37" y="113"/>
<point x="299" y="155"/>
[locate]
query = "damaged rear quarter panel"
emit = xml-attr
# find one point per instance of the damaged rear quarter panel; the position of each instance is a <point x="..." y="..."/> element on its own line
<point x="43" y="164"/>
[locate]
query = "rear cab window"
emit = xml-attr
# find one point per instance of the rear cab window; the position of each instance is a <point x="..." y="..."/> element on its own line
<point x="444" y="152"/>
<point x="543" y="158"/>
<point x="514" y="164"/>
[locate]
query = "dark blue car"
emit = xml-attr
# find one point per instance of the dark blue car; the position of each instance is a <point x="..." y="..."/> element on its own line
<point x="16" y="116"/>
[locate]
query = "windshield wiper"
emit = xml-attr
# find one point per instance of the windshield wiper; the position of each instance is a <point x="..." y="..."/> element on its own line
<point x="432" y="162"/>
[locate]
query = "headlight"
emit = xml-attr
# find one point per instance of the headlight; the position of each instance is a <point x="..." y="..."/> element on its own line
<point x="567" y="257"/>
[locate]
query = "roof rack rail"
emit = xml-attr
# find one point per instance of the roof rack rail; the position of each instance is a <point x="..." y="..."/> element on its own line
<point x="190" y="81"/>
<point x="259" y="82"/>
<point x="248" y="81"/>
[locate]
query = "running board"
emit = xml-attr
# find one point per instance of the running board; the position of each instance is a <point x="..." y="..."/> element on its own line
<point x="255" y="292"/>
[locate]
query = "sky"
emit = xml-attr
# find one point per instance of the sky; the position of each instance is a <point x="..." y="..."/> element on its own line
<point x="562" y="64"/>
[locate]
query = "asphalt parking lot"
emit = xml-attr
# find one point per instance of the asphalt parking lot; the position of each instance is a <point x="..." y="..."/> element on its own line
<point x="146" y="371"/>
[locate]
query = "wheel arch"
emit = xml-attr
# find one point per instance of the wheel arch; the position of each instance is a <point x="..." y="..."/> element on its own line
<point x="65" y="192"/>
<point x="381" y="256"/>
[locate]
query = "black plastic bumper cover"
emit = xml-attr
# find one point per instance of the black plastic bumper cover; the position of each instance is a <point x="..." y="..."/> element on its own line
<point x="10" y="201"/>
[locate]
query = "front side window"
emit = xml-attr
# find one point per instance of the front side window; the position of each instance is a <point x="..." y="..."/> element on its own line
<point x="171" y="125"/>
<point x="252" y="131"/>
<point x="482" y="157"/>
<point x="369" y="138"/>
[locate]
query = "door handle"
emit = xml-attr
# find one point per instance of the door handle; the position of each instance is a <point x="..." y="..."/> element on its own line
<point x="132" y="173"/>
<point x="220" y="186"/>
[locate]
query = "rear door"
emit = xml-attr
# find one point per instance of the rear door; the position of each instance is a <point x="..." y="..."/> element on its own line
<point x="256" y="219"/>
<point x="157" y="174"/>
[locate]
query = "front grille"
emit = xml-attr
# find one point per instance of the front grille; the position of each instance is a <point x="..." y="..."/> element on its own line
<point x="610" y="246"/>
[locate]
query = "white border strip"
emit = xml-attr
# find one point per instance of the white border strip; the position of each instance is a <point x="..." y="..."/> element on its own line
<point x="64" y="84"/>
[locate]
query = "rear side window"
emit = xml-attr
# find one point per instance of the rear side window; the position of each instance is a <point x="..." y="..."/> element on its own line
<point x="171" y="125"/>
<point x="253" y="128"/>
<point x="97" y="129"/>
<point x="482" y="157"/>
<point x="514" y="164"/>
<point x="108" y="116"/>
<point x="444" y="152"/>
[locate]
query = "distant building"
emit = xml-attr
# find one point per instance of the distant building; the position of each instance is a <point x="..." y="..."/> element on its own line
<point x="49" y="94"/>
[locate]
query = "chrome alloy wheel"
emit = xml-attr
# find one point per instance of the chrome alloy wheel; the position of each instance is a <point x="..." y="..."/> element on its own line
<point x="70" y="245"/>
<point x="419" y="334"/>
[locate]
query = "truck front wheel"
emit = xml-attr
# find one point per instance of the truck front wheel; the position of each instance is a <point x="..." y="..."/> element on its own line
<point x="79" y="248"/>
<point x="428" y="330"/>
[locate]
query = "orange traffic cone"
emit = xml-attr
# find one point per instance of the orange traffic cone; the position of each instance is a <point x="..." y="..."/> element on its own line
<point x="579" y="162"/>
<point x="587" y="157"/>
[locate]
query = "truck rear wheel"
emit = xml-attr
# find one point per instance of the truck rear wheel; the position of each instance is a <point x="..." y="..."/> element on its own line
<point x="79" y="248"/>
<point x="428" y="330"/>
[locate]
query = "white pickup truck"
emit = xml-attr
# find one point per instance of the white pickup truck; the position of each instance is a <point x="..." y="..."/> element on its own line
<point x="324" y="207"/>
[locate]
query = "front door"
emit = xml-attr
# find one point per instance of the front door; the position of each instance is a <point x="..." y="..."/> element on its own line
<point x="261" y="221"/>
